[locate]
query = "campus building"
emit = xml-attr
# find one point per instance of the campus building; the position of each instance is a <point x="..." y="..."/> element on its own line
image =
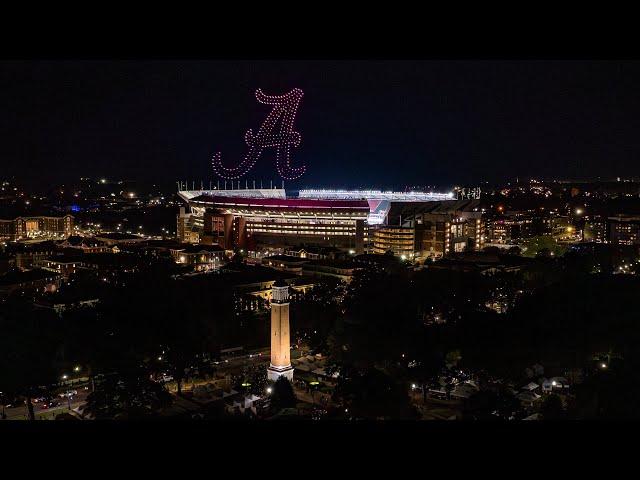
<point x="22" y="228"/>
<point x="624" y="230"/>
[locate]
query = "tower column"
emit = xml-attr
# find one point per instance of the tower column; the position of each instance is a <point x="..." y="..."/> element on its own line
<point x="280" y="339"/>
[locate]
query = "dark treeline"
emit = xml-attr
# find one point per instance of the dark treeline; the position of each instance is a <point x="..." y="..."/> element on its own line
<point x="139" y="316"/>
<point x="382" y="332"/>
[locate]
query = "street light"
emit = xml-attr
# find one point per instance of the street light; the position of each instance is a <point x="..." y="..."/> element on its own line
<point x="269" y="390"/>
<point x="65" y="376"/>
<point x="603" y="365"/>
<point x="76" y="368"/>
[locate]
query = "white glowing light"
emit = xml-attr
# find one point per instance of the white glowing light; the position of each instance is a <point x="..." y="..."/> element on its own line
<point x="374" y="195"/>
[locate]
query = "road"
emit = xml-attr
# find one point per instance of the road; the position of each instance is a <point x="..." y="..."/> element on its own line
<point x="21" y="413"/>
<point x="231" y="365"/>
<point x="234" y="365"/>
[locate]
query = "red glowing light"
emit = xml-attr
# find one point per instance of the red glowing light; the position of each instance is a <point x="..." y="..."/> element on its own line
<point x="269" y="136"/>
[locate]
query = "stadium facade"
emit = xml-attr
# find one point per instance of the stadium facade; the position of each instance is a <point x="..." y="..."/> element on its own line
<point x="410" y="224"/>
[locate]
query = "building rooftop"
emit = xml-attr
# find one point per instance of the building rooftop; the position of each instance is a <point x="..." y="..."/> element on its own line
<point x="280" y="203"/>
<point x="119" y="236"/>
<point x="121" y="259"/>
<point x="65" y="258"/>
<point x="35" y="247"/>
<point x="245" y="274"/>
<point x="78" y="241"/>
<point x="626" y="218"/>
<point x="286" y="258"/>
<point x="346" y="263"/>
<point x="16" y="277"/>
<point x="191" y="248"/>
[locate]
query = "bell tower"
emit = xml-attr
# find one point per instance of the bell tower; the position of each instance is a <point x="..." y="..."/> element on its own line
<point x="280" y="342"/>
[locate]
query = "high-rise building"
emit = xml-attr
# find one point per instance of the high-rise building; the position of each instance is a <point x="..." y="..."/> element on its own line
<point x="280" y="342"/>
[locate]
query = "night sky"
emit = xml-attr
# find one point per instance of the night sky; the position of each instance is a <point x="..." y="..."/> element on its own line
<point x="363" y="123"/>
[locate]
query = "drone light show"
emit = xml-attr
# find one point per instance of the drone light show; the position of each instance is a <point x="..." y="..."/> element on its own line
<point x="270" y="135"/>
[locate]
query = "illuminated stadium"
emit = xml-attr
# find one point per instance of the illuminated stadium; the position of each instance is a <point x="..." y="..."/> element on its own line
<point x="259" y="218"/>
<point x="379" y="202"/>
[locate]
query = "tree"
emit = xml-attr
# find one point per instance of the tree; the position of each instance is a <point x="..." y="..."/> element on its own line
<point x="551" y="408"/>
<point x="379" y="324"/>
<point x="515" y="250"/>
<point x="492" y="404"/>
<point x="611" y="394"/>
<point x="427" y="372"/>
<point x="282" y="395"/>
<point x="542" y="245"/>
<point x="128" y="395"/>
<point x="374" y="395"/>
<point x="28" y="344"/>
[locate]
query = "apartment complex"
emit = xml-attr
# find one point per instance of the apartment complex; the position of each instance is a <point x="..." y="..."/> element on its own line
<point x="22" y="228"/>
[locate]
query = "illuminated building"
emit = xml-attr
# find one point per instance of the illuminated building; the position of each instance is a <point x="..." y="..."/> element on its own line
<point x="85" y="244"/>
<point x="624" y="230"/>
<point x="280" y="364"/>
<point x="63" y="265"/>
<point x="441" y="228"/>
<point x="31" y="281"/>
<point x="340" y="269"/>
<point x="36" y="227"/>
<point x="263" y="219"/>
<point x="509" y="227"/>
<point x="29" y="254"/>
<point x="379" y="202"/>
<point x="202" y="257"/>
<point x="258" y="221"/>
<point x="187" y="229"/>
<point x="285" y="263"/>
<point x="399" y="240"/>
<point x="595" y="229"/>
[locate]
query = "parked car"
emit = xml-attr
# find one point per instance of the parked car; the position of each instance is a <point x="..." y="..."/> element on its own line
<point x="70" y="393"/>
<point x="50" y="404"/>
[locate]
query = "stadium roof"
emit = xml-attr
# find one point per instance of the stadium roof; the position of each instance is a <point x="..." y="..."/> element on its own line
<point x="281" y="203"/>
<point x="375" y="195"/>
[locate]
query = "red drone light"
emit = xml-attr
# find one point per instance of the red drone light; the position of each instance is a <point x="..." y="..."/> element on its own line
<point x="269" y="136"/>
